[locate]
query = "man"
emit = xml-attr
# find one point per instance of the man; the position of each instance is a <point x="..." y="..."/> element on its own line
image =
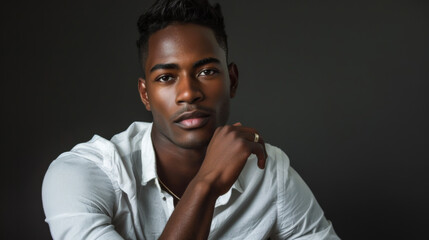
<point x="187" y="175"/>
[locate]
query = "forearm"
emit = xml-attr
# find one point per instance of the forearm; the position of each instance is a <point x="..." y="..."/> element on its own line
<point x="192" y="216"/>
<point x="226" y="156"/>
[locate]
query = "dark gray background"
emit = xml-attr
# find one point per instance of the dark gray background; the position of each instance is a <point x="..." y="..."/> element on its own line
<point x="341" y="86"/>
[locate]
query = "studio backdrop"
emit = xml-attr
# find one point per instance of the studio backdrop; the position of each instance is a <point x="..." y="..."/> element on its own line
<point x="340" y="86"/>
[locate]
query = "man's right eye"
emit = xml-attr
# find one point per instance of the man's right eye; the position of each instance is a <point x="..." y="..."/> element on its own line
<point x="164" y="78"/>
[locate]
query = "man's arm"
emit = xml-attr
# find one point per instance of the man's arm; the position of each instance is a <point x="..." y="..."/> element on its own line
<point x="78" y="199"/>
<point x="225" y="158"/>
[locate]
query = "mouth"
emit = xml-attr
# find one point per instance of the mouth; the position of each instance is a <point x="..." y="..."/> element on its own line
<point x="192" y="119"/>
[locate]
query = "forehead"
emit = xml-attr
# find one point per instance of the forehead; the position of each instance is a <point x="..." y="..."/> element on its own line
<point x="178" y="43"/>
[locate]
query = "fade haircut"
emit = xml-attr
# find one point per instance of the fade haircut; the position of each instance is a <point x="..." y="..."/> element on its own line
<point x="166" y="12"/>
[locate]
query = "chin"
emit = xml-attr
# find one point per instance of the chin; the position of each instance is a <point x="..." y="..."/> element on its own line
<point x="194" y="140"/>
<point x="194" y="145"/>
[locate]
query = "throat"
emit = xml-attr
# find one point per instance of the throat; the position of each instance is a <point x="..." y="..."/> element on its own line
<point x="175" y="176"/>
<point x="176" y="166"/>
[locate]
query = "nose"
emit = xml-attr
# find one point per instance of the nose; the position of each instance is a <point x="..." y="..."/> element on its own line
<point x="188" y="90"/>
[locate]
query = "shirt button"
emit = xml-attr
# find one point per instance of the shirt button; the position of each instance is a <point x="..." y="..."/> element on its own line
<point x="164" y="198"/>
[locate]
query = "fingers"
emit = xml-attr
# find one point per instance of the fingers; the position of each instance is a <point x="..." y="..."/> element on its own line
<point x="259" y="150"/>
<point x="261" y="140"/>
<point x="258" y="146"/>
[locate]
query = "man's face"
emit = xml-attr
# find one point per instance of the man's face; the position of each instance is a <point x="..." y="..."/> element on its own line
<point x="188" y="84"/>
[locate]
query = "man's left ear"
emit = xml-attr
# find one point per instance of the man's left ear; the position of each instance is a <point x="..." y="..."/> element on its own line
<point x="233" y="78"/>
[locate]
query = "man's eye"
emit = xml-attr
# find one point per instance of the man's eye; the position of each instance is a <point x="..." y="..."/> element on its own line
<point x="164" y="78"/>
<point x="207" y="72"/>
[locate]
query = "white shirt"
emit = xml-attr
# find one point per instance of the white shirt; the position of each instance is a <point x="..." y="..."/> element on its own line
<point x="105" y="189"/>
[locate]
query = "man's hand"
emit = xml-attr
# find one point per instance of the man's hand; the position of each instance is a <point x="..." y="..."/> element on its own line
<point x="225" y="158"/>
<point x="227" y="154"/>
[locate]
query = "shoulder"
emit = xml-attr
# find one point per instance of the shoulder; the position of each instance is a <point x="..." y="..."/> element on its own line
<point x="286" y="187"/>
<point x="130" y="140"/>
<point x="277" y="158"/>
<point x="92" y="165"/>
<point x="298" y="212"/>
<point x="76" y="169"/>
<point x="277" y="163"/>
<point x="288" y="182"/>
<point x="252" y="178"/>
<point x="76" y="184"/>
<point x="98" y="167"/>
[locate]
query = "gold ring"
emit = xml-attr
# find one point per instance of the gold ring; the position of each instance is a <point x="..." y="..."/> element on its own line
<point x="256" y="139"/>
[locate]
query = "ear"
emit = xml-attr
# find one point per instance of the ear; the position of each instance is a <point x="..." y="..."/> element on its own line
<point x="233" y="78"/>
<point x="143" y="93"/>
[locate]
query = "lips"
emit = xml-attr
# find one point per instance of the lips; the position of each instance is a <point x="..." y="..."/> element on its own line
<point x="192" y="119"/>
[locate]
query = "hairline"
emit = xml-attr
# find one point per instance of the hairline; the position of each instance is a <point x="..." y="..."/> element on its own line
<point x="144" y="49"/>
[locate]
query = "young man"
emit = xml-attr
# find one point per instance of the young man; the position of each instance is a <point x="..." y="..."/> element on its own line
<point x="187" y="175"/>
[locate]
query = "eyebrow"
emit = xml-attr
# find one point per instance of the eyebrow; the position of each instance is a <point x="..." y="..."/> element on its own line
<point x="164" y="66"/>
<point x="205" y="61"/>
<point x="197" y="64"/>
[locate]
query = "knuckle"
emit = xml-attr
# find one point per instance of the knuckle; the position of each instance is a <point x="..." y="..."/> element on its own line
<point x="228" y="128"/>
<point x="218" y="129"/>
<point x="244" y="146"/>
<point x="241" y="144"/>
<point x="235" y="134"/>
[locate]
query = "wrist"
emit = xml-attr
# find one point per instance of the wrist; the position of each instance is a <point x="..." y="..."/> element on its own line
<point x="204" y="186"/>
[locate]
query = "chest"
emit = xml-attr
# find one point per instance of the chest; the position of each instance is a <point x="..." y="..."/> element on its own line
<point x="246" y="215"/>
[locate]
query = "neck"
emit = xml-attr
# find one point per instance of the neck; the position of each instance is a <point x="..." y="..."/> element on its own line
<point x="176" y="166"/>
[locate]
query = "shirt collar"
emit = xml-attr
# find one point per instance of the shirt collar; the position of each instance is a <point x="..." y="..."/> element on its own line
<point x="149" y="167"/>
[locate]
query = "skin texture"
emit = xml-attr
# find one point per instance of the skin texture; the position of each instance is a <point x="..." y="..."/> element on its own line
<point x="187" y="76"/>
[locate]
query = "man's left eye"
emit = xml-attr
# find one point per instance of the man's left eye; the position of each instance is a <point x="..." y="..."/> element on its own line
<point x="207" y="72"/>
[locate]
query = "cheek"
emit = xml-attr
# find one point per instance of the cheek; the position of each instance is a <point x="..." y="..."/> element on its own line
<point x="162" y="99"/>
<point x="218" y="91"/>
<point x="219" y="94"/>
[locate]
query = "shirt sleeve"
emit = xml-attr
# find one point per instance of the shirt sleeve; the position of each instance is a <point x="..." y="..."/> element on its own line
<point x="78" y="200"/>
<point x="300" y="217"/>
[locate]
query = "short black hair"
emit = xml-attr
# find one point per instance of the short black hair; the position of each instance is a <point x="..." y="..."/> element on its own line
<point x="165" y="12"/>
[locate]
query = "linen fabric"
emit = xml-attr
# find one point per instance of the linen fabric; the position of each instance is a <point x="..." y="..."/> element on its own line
<point x="105" y="189"/>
